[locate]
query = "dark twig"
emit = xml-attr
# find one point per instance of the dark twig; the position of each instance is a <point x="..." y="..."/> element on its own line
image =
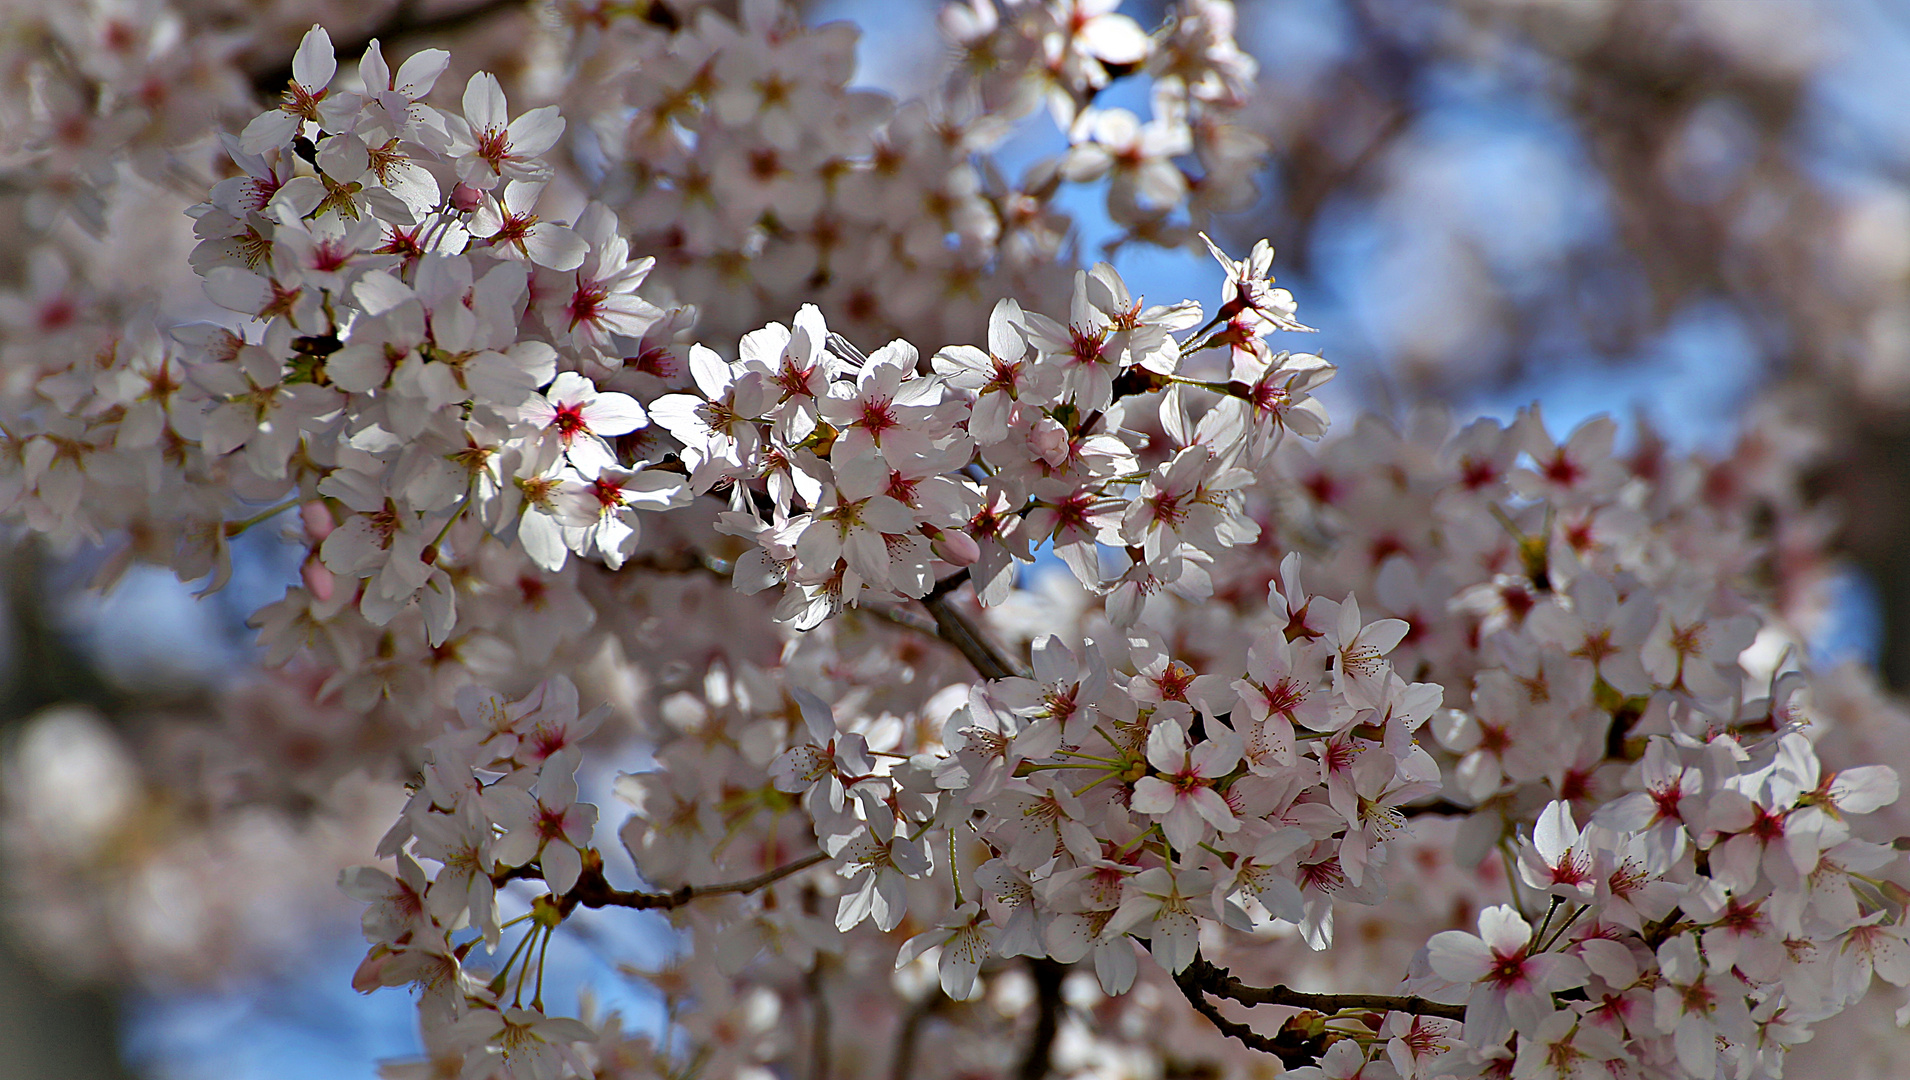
<point x="592" y="891"/>
<point x="902" y="617"/>
<point x="1436" y="808"/>
<point x="1215" y="980"/>
<point x="947" y="585"/>
<point x="952" y="626"/>
<point x="1303" y="1038"/>
<point x="1247" y="1036"/>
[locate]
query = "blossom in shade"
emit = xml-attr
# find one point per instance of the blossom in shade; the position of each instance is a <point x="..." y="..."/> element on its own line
<point x="1512" y="984"/>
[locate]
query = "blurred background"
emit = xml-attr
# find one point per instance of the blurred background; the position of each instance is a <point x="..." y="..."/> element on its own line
<point x="1683" y="213"/>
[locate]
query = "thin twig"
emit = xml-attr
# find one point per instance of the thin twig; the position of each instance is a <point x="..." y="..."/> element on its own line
<point x="947" y="585"/>
<point x="681" y="561"/>
<point x="1436" y="808"/>
<point x="592" y="891"/>
<point x="1303" y="1038"/>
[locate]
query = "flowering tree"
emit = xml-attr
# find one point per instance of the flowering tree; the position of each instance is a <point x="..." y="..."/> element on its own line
<point x="741" y="405"/>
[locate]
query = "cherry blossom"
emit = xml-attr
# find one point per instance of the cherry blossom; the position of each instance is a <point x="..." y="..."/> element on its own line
<point x="490" y="147"/>
<point x="1512" y="983"/>
<point x="680" y="458"/>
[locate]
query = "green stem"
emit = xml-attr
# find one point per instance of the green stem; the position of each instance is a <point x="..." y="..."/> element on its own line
<point x="954" y="869"/>
<point x="1204" y="384"/>
<point x="1546" y="923"/>
<point x="1505" y="519"/>
<point x="1025" y="767"/>
<point x="234" y="528"/>
<point x="455" y="515"/>
<point x="1511" y="863"/>
<point x="537" y="996"/>
<point x="1564" y="926"/>
<point x="1090" y="757"/>
<point x="503" y="973"/>
<point x="517" y="997"/>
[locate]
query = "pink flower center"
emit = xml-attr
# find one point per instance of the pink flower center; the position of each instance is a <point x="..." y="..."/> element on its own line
<point x="494" y="146"/>
<point x="587" y="303"/>
<point x="609" y="493"/>
<point x="569" y="420"/>
<point x="1508" y="969"/>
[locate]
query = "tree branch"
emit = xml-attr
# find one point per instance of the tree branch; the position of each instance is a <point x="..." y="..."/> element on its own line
<point x="592" y="891"/>
<point x="1211" y="979"/>
<point x="1437" y="808"/>
<point x="1301" y="1039"/>
<point x="902" y="617"/>
<point x="952" y="626"/>
<point x="1247" y="1036"/>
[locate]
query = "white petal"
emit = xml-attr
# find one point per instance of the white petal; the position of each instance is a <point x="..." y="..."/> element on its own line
<point x="314" y="65"/>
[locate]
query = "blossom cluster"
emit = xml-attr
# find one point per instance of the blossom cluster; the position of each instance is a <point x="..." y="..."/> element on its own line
<point x="505" y="404"/>
<point x="762" y="180"/>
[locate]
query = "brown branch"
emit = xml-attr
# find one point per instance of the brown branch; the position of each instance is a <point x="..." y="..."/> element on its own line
<point x="1658" y="933"/>
<point x="1303" y="1037"/>
<point x="1437" y="808"/>
<point x="958" y="630"/>
<point x="947" y="585"/>
<point x="1216" y="980"/>
<point x="1233" y="1029"/>
<point x="902" y="617"/>
<point x="592" y="891"/>
<point x="680" y="561"/>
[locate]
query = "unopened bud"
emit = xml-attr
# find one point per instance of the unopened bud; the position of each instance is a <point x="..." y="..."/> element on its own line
<point x="370" y="974"/>
<point x="465" y="198"/>
<point x="318" y="580"/>
<point x="1049" y="440"/>
<point x="956" y="548"/>
<point x="317" y="519"/>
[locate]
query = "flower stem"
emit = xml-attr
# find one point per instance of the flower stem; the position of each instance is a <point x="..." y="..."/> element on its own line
<point x="234" y="528"/>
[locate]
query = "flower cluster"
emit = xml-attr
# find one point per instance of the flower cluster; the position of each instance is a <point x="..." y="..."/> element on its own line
<point x="761" y="181"/>
<point x="1286" y="703"/>
<point x="499" y="794"/>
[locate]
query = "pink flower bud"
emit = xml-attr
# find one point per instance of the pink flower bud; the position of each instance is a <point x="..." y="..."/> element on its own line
<point x="318" y="580"/>
<point x="1049" y="440"/>
<point x="465" y="198"/>
<point x="371" y="970"/>
<point x="317" y="519"/>
<point x="956" y="548"/>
